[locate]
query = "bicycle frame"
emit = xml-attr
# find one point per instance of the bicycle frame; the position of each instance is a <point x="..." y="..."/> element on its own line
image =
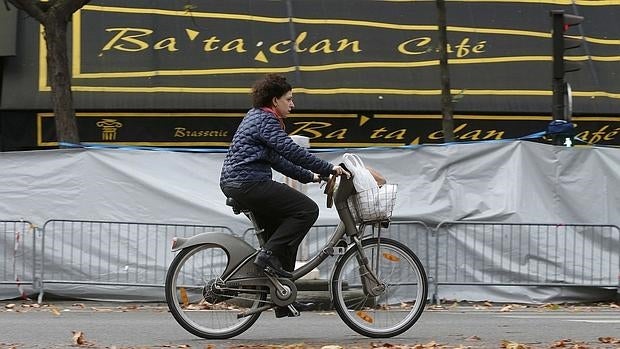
<point x="241" y="253"/>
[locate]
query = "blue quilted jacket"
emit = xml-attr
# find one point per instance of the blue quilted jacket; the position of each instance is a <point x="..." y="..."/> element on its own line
<point x="259" y="145"/>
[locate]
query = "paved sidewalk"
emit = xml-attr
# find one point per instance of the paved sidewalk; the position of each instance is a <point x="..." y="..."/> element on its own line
<point x="25" y="325"/>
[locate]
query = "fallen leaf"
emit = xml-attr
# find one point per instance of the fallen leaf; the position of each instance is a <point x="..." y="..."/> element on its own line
<point x="550" y="306"/>
<point x="384" y="345"/>
<point x="78" y="338"/>
<point x="9" y="345"/>
<point x="506" y="308"/>
<point x="609" y="340"/>
<point x="10" y="306"/>
<point x="513" y="345"/>
<point x="453" y="305"/>
<point x="561" y="343"/>
<point x="55" y="311"/>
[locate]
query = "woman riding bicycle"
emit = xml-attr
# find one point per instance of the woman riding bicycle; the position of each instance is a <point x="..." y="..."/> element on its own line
<point x="260" y="144"/>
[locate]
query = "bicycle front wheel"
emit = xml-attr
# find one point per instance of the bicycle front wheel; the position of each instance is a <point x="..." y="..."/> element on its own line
<point x="201" y="302"/>
<point x="399" y="297"/>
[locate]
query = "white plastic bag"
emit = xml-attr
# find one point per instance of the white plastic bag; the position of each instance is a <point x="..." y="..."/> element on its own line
<point x="362" y="178"/>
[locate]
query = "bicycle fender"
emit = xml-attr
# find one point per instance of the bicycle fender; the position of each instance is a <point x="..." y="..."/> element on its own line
<point x="230" y="243"/>
<point x="237" y="250"/>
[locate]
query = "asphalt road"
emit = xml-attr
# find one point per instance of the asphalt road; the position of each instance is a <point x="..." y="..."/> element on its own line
<point x="119" y="325"/>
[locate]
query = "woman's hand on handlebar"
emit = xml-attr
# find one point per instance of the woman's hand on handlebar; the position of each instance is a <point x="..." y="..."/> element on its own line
<point x="340" y="171"/>
<point x="337" y="171"/>
<point x="318" y="178"/>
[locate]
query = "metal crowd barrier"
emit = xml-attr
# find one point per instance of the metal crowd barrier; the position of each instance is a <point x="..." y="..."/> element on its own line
<point x="509" y="254"/>
<point x="111" y="253"/>
<point x="106" y="253"/>
<point x="418" y="237"/>
<point x="18" y="258"/>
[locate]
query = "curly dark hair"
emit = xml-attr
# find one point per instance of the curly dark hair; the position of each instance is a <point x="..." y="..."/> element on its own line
<point x="264" y="90"/>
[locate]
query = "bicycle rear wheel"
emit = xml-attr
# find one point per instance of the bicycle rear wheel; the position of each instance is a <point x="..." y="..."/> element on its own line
<point x="201" y="302"/>
<point x="393" y="310"/>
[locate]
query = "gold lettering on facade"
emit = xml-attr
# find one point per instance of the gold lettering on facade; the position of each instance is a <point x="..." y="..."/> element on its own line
<point x="314" y="130"/>
<point x="234" y="45"/>
<point x="124" y="42"/>
<point x="211" y="44"/>
<point x="167" y="44"/>
<point x="461" y="133"/>
<point x="408" y="46"/>
<point x="275" y="47"/>
<point x="344" y="43"/>
<point x="108" y="128"/>
<point x="182" y="132"/>
<point x="422" y="45"/>
<point x="384" y="133"/>
<point x="323" y="45"/>
<point x="340" y="133"/>
<point x="300" y="38"/>
<point x="139" y="39"/>
<point x="605" y="133"/>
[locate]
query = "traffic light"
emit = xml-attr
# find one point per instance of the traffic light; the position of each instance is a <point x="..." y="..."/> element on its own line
<point x="562" y="99"/>
<point x="561" y="23"/>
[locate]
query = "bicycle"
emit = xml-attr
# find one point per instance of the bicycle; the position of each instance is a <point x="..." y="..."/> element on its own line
<point x="378" y="286"/>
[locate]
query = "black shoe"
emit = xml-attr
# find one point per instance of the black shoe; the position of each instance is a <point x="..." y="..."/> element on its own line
<point x="286" y="312"/>
<point x="270" y="263"/>
<point x="303" y="306"/>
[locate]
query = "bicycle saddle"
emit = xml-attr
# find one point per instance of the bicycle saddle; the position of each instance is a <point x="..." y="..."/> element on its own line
<point x="236" y="206"/>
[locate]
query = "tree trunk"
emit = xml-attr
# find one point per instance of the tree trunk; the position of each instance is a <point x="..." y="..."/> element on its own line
<point x="55" y="28"/>
<point x="447" y="120"/>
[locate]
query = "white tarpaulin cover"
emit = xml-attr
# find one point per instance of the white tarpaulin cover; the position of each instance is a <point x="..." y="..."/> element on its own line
<point x="512" y="181"/>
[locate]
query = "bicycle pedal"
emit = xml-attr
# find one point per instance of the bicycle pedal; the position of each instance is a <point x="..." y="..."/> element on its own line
<point x="293" y="311"/>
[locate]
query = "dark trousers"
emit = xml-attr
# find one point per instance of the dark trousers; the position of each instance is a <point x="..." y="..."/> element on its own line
<point x="285" y="213"/>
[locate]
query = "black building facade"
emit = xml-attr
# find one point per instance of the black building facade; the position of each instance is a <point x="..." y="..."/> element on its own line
<point x="164" y="73"/>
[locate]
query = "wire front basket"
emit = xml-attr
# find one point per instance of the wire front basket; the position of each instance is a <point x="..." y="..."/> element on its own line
<point x="374" y="204"/>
